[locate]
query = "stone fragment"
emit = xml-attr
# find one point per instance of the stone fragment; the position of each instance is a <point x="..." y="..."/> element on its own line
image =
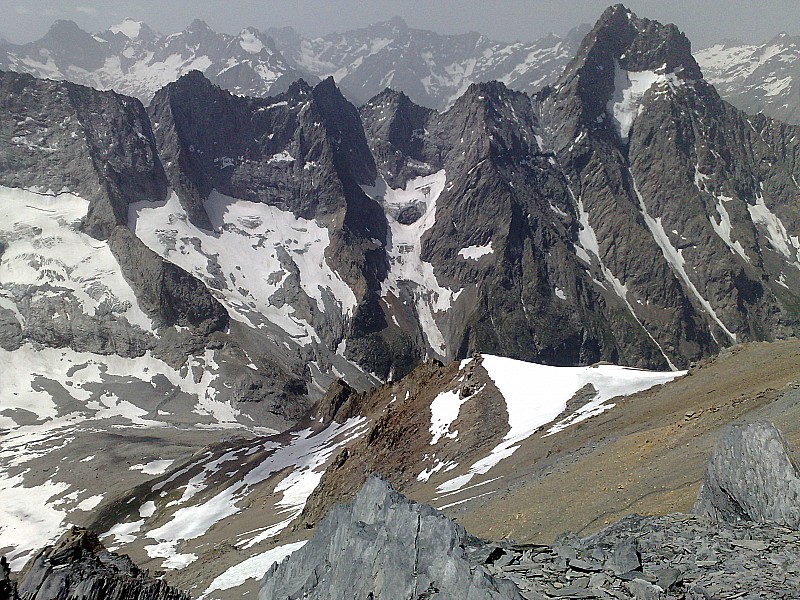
<point x="625" y="558"/>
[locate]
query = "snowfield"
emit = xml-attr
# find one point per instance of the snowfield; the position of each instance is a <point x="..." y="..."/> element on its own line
<point x="409" y="274"/>
<point x="535" y="396"/>
<point x="255" y="252"/>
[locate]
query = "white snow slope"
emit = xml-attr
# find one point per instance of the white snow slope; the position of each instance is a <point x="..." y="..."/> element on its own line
<point x="244" y="260"/>
<point x="535" y="395"/>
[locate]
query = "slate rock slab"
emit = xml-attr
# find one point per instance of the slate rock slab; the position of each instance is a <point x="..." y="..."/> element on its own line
<point x="752" y="476"/>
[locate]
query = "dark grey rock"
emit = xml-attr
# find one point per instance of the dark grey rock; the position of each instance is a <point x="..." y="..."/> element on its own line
<point x="752" y="475"/>
<point x="105" y="147"/>
<point x="163" y="289"/>
<point x="625" y="558"/>
<point x="384" y="546"/>
<point x="79" y="567"/>
<point x="644" y="590"/>
<point x="10" y="330"/>
<point x="8" y="589"/>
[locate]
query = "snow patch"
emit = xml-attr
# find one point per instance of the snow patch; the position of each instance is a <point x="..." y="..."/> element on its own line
<point x="155" y="467"/>
<point x="129" y="28"/>
<point x="626" y="103"/>
<point x="779" y="238"/>
<point x="250" y="42"/>
<point x="475" y="252"/>
<point x="724" y="228"/>
<point x="254" y="567"/>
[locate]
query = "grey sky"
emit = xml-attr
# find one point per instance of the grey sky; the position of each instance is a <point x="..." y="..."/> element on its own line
<point x="705" y="22"/>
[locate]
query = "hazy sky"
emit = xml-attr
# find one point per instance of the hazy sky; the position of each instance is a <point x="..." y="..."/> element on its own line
<point x="704" y="21"/>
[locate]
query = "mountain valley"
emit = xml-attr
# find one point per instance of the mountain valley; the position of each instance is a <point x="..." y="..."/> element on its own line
<point x="229" y="295"/>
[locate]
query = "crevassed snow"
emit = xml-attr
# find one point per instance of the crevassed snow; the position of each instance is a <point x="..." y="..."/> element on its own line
<point x="475" y="252"/>
<point x="253" y="568"/>
<point x="537" y="394"/>
<point x="257" y="248"/>
<point x="629" y="87"/>
<point x="779" y="238"/>
<point x="407" y="269"/>
<point x="46" y="251"/>
<point x="675" y="258"/>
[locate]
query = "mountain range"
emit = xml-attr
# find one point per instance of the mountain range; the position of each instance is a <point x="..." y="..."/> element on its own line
<point x="236" y="274"/>
<point x="433" y="69"/>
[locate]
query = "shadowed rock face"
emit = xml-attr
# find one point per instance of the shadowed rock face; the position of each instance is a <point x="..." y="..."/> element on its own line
<point x="385" y="546"/>
<point x="752" y="476"/>
<point x="79" y="567"/>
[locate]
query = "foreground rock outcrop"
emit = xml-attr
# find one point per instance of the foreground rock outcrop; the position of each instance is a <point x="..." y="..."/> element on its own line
<point x="674" y="556"/>
<point x="752" y="476"/>
<point x="385" y="546"/>
<point x="78" y="566"/>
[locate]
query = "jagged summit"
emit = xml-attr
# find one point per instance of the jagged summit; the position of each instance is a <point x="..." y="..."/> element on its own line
<point x="635" y="44"/>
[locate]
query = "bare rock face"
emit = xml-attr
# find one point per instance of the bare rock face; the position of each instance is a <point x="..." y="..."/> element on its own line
<point x="78" y="566"/>
<point x="166" y="291"/>
<point x="99" y="145"/>
<point x="384" y="546"/>
<point x="8" y="591"/>
<point x="752" y="476"/>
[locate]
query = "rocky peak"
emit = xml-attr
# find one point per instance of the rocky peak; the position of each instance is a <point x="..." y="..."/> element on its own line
<point x="344" y="125"/>
<point x="198" y="26"/>
<point x="396" y="129"/>
<point x="383" y="545"/>
<point x="621" y="41"/>
<point x="68" y="44"/>
<point x="397" y="23"/>
<point x="496" y="119"/>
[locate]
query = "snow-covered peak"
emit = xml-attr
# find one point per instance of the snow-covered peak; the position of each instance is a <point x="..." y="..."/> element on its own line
<point x="129" y="28"/>
<point x="249" y="41"/>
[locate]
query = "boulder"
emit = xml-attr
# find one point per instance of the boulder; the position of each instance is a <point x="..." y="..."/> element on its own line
<point x="752" y="476"/>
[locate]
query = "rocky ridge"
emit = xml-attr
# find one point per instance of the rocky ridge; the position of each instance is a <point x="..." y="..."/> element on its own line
<point x="674" y="556"/>
<point x="383" y="546"/>
<point x="78" y="566"/>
